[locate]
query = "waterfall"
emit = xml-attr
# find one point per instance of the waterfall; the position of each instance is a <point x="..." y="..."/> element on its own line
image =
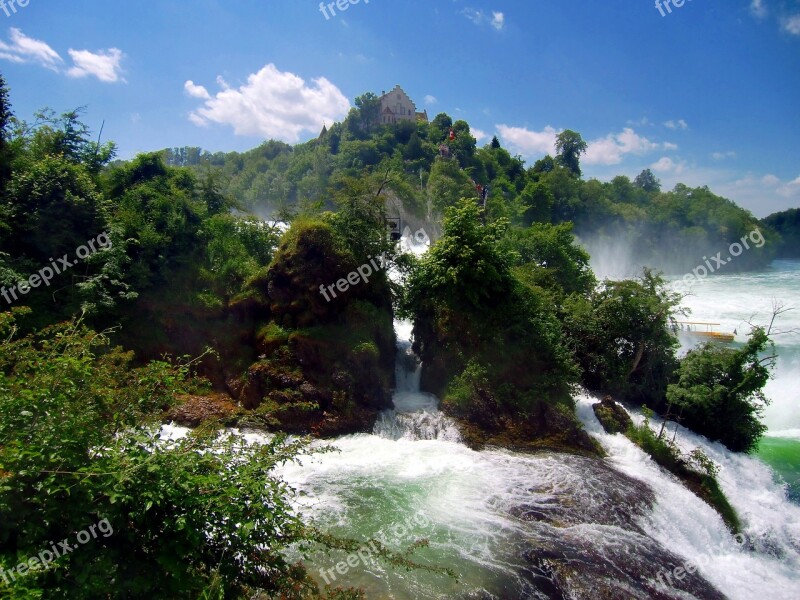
<point x="416" y="415"/>
<point x="763" y="561"/>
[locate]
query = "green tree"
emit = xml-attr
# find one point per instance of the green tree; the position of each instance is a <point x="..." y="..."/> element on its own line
<point x="5" y="124"/>
<point x="620" y="335"/>
<point x="719" y="391"/>
<point x="369" y="112"/>
<point x="570" y="146"/>
<point x="647" y="182"/>
<point x="79" y="445"/>
<point x="550" y="258"/>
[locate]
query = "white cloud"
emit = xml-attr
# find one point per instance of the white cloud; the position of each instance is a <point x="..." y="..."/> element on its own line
<point x="790" y="189"/>
<point x="679" y="124"/>
<point x="666" y="165"/>
<point x="758" y="8"/>
<point x="105" y="64"/>
<point x="497" y="20"/>
<point x="478" y="134"/>
<point x="196" y="91"/>
<point x="792" y="24"/>
<point x="24" y="49"/>
<point x="723" y="155"/>
<point x="669" y="146"/>
<point x="527" y="142"/>
<point x="769" y="193"/>
<point x="611" y="149"/>
<point x="272" y="104"/>
<point x="430" y="99"/>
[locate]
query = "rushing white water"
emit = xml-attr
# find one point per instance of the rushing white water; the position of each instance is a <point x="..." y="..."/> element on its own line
<point x="766" y="564"/>
<point x="498" y="518"/>
<point x="735" y="300"/>
<point x="416" y="415"/>
<point x="414" y="465"/>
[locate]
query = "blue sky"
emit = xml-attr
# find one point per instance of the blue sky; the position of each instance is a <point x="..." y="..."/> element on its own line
<point x="708" y="94"/>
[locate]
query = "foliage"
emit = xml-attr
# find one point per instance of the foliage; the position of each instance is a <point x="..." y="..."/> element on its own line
<point x="620" y="336"/>
<point x="787" y="225"/>
<point x="719" y="391"/>
<point x="466" y="302"/>
<point x="204" y="512"/>
<point x="548" y="257"/>
<point x="570" y="146"/>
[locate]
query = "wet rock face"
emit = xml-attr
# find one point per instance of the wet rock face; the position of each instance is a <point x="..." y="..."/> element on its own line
<point x="612" y="416"/>
<point x="585" y="541"/>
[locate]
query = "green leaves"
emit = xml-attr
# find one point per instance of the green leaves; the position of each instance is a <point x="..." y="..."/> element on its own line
<point x="719" y="391"/>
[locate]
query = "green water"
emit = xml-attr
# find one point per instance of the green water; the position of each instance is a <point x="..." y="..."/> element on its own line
<point x="783" y="455"/>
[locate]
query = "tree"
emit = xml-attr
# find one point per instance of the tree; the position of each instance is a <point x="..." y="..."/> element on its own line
<point x="79" y="446"/>
<point x="620" y="335"/>
<point x="647" y="181"/>
<point x="550" y="258"/>
<point x="719" y="391"/>
<point x="495" y="142"/>
<point x="439" y="128"/>
<point x="5" y="121"/>
<point x="369" y="112"/>
<point x="570" y="146"/>
<point x="543" y="165"/>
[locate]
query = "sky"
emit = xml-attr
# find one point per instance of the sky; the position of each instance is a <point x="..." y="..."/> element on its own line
<point x="706" y="93"/>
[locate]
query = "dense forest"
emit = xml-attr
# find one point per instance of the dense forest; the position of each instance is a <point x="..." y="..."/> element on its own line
<point x="787" y="225"/>
<point x="667" y="230"/>
<point x="154" y="289"/>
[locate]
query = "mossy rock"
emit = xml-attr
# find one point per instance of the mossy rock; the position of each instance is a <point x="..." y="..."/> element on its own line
<point x="612" y="416"/>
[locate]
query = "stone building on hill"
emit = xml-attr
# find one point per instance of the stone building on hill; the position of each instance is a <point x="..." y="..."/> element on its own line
<point x="397" y="106"/>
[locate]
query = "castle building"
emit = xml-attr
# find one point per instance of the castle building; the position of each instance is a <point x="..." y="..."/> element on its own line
<point x="397" y="106"/>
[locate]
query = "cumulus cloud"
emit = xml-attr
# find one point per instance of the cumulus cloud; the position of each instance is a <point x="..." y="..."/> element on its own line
<point x="196" y="91"/>
<point x="478" y="134"/>
<point x="679" y="124"/>
<point x="430" y="99"/>
<point x="758" y="8"/>
<point x="792" y="24"/>
<point x="666" y="165"/>
<point x="272" y="104"/>
<point x="611" y="149"/>
<point x="105" y="64"/>
<point x="496" y="20"/>
<point x="23" y="49"/>
<point x="771" y="180"/>
<point x="527" y="142"/>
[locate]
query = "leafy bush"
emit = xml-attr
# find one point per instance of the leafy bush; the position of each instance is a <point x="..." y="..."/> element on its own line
<point x="719" y="391"/>
<point x="206" y="512"/>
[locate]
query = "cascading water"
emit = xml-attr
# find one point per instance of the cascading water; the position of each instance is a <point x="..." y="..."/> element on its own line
<point x="736" y="300"/>
<point x="545" y="526"/>
<point x="416" y="415"/>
